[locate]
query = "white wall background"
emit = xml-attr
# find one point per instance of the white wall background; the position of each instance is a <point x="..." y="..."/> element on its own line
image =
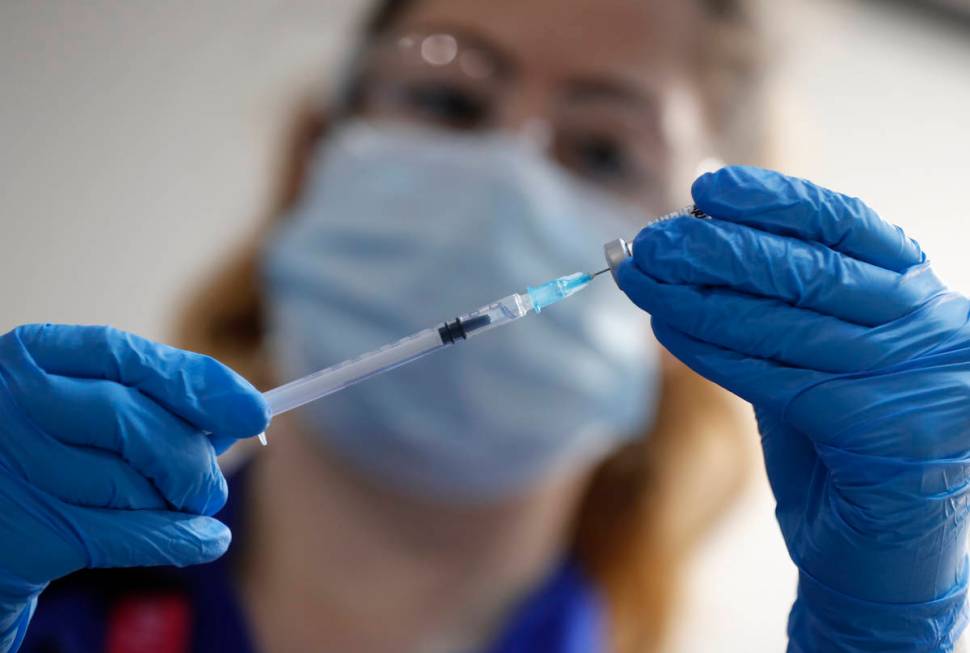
<point x="137" y="140"/>
<point x="137" y="143"/>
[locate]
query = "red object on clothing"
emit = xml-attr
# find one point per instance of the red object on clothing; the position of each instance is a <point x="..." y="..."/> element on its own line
<point x="157" y="623"/>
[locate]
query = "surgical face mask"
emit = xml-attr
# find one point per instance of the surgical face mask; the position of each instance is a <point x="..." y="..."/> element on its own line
<point x="400" y="229"/>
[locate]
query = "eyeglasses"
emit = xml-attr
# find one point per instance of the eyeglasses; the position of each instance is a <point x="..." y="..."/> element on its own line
<point x="603" y="133"/>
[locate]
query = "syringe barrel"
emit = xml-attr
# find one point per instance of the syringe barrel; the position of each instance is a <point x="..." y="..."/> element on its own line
<point x="345" y="374"/>
<point x="506" y="310"/>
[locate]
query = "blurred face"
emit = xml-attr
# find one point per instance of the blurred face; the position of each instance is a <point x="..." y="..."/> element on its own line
<point x="604" y="86"/>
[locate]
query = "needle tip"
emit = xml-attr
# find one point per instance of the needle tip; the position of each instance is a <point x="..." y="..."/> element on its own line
<point x="262" y="439"/>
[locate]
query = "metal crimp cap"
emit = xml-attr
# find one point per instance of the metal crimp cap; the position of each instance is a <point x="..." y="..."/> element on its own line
<point x="616" y="252"/>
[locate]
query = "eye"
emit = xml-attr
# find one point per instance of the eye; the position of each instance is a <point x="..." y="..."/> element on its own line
<point x="445" y="104"/>
<point x="599" y="157"/>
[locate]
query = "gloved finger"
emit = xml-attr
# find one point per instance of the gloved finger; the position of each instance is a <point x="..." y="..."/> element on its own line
<point x="47" y="538"/>
<point x="689" y="251"/>
<point x="81" y="476"/>
<point x="99" y="480"/>
<point x="789" y="206"/>
<point x="773" y="330"/>
<point x="118" y="538"/>
<point x="197" y="388"/>
<point x="178" y="459"/>
<point x="764" y="383"/>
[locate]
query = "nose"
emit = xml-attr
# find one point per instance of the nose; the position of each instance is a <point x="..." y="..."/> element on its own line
<point x="527" y="114"/>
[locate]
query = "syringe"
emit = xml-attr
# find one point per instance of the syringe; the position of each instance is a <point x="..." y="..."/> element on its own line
<point x="343" y="375"/>
<point x="505" y="311"/>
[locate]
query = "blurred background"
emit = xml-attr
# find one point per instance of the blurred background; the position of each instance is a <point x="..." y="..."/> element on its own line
<point x="158" y="124"/>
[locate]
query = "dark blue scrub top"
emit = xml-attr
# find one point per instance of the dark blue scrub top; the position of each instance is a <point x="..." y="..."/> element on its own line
<point x="168" y="610"/>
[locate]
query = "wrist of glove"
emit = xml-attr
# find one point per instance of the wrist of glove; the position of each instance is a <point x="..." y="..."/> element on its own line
<point x="824" y="620"/>
<point x="856" y="358"/>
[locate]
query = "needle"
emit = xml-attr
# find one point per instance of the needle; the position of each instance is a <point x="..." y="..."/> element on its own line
<point x="601" y="272"/>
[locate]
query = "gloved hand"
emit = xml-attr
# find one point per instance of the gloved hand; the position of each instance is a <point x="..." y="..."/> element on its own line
<point x="103" y="457"/>
<point x="857" y="361"/>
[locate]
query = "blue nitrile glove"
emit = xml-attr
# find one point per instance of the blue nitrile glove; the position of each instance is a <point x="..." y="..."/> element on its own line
<point x="104" y="459"/>
<point x="857" y="361"/>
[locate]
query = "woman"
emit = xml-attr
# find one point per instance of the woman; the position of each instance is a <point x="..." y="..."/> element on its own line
<point x="526" y="491"/>
<point x="630" y="530"/>
<point x="631" y="117"/>
<point x="632" y="524"/>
